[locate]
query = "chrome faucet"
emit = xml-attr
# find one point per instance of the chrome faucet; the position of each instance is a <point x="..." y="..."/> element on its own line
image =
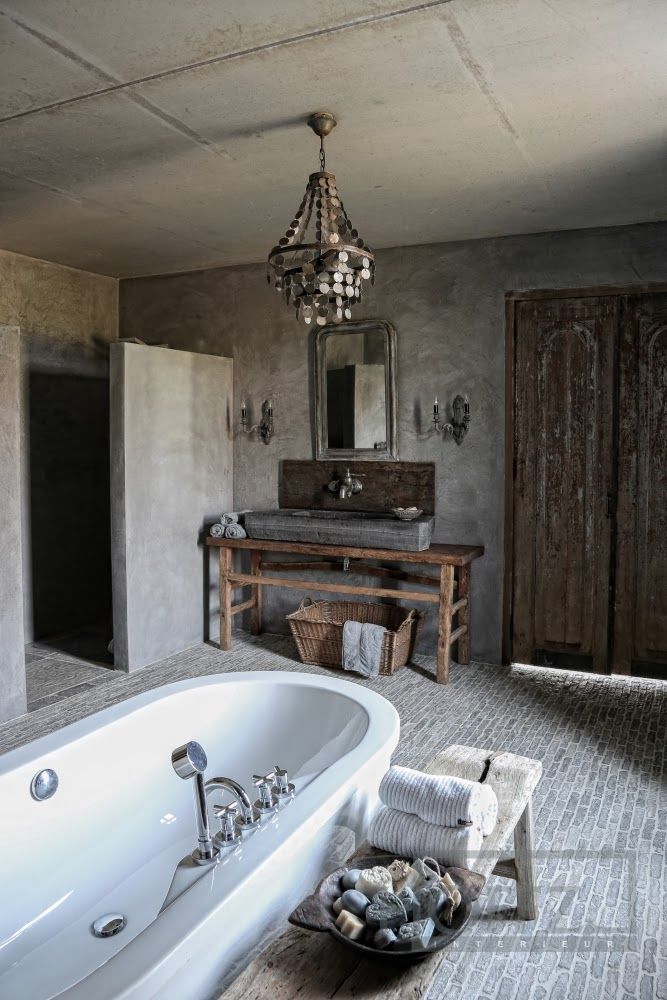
<point x="238" y="820"/>
<point x="189" y="761"/>
<point x="347" y="486"/>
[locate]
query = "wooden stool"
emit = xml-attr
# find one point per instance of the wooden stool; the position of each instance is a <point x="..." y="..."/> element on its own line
<point x="513" y="779"/>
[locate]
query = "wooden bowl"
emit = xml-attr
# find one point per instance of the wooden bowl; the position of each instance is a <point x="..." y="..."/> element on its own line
<point x="315" y="913"/>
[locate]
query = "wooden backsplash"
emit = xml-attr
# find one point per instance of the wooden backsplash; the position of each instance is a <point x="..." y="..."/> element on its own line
<point x="303" y="485"/>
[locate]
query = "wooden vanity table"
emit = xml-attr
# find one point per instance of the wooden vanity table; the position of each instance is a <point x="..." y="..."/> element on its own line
<point x="449" y="587"/>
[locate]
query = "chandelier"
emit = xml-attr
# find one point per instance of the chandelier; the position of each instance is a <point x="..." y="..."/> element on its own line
<point x="321" y="261"/>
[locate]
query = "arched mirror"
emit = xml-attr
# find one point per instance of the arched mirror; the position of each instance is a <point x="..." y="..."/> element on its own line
<point x="355" y="391"/>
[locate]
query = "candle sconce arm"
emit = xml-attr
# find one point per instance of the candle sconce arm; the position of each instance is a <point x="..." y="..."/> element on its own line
<point x="457" y="427"/>
<point x="264" y="429"/>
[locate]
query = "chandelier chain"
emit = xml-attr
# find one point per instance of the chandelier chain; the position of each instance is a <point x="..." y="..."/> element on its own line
<point x="322" y="156"/>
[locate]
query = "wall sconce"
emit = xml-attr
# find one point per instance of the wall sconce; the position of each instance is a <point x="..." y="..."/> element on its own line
<point x="265" y="427"/>
<point x="458" y="427"/>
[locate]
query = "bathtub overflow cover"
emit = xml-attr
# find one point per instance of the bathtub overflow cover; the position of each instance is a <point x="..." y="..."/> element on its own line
<point x="108" y="925"/>
<point x="44" y="784"/>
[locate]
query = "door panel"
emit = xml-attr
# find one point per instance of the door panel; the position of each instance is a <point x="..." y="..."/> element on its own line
<point x="563" y="448"/>
<point x="640" y="632"/>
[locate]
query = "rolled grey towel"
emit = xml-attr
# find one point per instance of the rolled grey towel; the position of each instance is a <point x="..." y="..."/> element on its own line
<point x="235" y="530"/>
<point x="229" y="518"/>
<point x="217" y="531"/>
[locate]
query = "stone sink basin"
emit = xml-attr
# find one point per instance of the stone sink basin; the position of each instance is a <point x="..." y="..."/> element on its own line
<point x="360" y="529"/>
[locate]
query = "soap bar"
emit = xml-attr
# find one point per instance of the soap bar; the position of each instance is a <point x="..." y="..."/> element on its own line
<point x="386" y="910"/>
<point x="374" y="880"/>
<point x="451" y="903"/>
<point x="349" y="925"/>
<point x="349" y="879"/>
<point x="414" y="935"/>
<point x="384" y="937"/>
<point x="421" y="875"/>
<point x="448" y="882"/>
<point x="430" y="900"/>
<point x="399" y="872"/>
<point x="354" y="902"/>
<point x="409" y="900"/>
<point x="338" y="905"/>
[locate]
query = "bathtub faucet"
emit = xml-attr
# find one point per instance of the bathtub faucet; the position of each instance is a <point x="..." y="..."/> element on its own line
<point x="237" y="821"/>
<point x="189" y="761"/>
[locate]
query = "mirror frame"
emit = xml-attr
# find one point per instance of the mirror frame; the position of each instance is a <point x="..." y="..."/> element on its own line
<point x="323" y="451"/>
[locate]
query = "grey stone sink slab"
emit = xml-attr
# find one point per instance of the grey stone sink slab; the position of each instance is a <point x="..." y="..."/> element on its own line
<point x="360" y="529"/>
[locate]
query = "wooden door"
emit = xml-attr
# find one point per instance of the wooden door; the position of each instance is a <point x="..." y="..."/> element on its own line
<point x="563" y="480"/>
<point x="640" y="620"/>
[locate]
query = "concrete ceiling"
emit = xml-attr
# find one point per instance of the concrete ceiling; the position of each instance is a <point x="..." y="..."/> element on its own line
<point x="145" y="136"/>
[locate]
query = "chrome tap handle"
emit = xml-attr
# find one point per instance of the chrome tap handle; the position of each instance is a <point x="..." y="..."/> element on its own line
<point x="227" y="816"/>
<point x="283" y="788"/>
<point x="281" y="781"/>
<point x="264" y="785"/>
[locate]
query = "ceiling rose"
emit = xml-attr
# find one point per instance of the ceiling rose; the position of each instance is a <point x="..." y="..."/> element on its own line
<point x="321" y="262"/>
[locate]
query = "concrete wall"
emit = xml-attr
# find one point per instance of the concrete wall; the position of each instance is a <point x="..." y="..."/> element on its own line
<point x="12" y="663"/>
<point x="447" y="304"/>
<point x="171" y="476"/>
<point x="67" y="319"/>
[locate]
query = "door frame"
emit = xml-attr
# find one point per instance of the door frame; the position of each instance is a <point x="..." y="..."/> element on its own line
<point x="511" y="298"/>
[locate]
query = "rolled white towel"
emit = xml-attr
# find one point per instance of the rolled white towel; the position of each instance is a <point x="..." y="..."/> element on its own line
<point x="408" y="835"/>
<point x="235" y="530"/>
<point x="217" y="531"/>
<point x="230" y="518"/>
<point x="441" y="799"/>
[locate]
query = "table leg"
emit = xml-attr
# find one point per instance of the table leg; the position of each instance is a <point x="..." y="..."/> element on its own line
<point x="256" y="612"/>
<point x="225" y="598"/>
<point x="463" y="649"/>
<point x="524" y="859"/>
<point x="445" y="621"/>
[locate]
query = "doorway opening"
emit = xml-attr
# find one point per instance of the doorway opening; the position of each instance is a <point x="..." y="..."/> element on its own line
<point x="69" y="561"/>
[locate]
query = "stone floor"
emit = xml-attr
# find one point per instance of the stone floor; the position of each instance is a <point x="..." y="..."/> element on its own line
<point x="601" y="807"/>
<point x="66" y="665"/>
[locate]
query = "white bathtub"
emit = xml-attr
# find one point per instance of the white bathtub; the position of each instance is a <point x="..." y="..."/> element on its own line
<point x="111" y="837"/>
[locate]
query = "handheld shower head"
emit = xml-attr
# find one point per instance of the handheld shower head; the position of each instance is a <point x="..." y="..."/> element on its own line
<point x="188" y="760"/>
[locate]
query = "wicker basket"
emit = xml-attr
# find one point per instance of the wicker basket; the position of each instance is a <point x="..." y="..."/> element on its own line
<point x="317" y="627"/>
